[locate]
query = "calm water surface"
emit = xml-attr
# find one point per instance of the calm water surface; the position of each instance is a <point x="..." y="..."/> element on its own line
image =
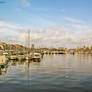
<point x="60" y="73"/>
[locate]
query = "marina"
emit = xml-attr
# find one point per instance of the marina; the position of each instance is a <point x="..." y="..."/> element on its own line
<point x="45" y="46"/>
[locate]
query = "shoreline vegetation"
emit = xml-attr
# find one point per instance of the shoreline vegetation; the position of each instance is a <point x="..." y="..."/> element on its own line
<point x="4" y="47"/>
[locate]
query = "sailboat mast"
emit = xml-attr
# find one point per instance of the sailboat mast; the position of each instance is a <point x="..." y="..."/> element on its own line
<point x="28" y="39"/>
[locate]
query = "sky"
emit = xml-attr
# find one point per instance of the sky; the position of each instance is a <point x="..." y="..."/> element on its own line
<point x="52" y="23"/>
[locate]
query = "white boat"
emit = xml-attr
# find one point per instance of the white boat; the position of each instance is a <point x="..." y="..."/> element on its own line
<point x="13" y="57"/>
<point x="36" y="56"/>
<point x="20" y="56"/>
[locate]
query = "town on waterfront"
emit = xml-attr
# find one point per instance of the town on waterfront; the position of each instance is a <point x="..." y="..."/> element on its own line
<point x="15" y="48"/>
<point x="45" y="46"/>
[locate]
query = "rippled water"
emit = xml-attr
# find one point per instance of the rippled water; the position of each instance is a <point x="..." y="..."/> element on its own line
<point x="60" y="73"/>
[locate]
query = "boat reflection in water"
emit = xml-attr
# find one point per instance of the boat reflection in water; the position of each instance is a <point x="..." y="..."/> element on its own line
<point x="4" y="65"/>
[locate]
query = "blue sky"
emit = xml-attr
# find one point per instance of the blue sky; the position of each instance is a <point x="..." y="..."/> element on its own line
<point x="45" y="14"/>
<point x="42" y="13"/>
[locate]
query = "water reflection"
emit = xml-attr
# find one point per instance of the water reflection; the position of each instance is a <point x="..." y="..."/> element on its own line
<point x="66" y="73"/>
<point x="4" y="66"/>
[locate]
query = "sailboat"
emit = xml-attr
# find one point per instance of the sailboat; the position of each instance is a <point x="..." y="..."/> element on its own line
<point x="28" y="56"/>
<point x="33" y="55"/>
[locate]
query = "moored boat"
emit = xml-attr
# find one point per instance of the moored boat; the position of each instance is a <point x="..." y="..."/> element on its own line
<point x="36" y="56"/>
<point x="13" y="57"/>
<point x="20" y="56"/>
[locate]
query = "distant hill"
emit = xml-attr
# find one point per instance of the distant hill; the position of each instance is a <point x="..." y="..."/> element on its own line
<point x="5" y="46"/>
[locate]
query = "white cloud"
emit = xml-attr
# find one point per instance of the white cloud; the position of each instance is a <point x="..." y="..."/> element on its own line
<point x="56" y="36"/>
<point x="73" y="20"/>
<point x="7" y="25"/>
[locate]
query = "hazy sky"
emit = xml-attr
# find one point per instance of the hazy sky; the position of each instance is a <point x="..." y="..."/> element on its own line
<point x="53" y="23"/>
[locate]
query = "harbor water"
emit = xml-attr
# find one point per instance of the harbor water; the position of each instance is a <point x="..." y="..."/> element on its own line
<point x="56" y="73"/>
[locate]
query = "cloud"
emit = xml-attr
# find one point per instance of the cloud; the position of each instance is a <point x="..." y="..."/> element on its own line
<point x="69" y="36"/>
<point x="73" y="20"/>
<point x="13" y="33"/>
<point x="26" y="3"/>
<point x="4" y="24"/>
